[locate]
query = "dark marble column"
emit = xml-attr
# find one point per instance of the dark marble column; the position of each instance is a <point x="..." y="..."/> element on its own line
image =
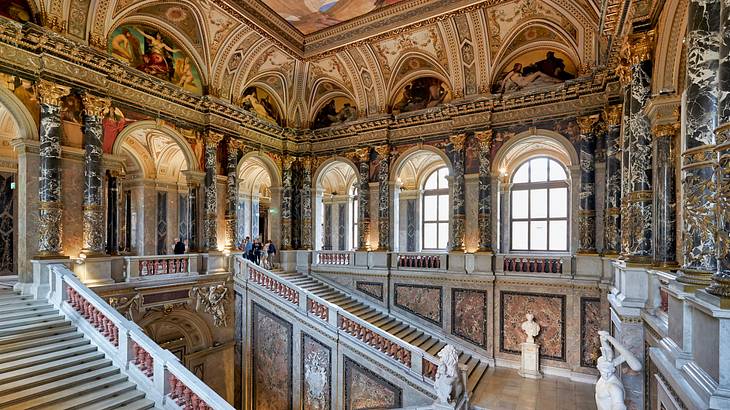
<point x="211" y="195"/>
<point x="49" y="181"/>
<point x="485" y="190"/>
<point x="612" y="212"/>
<point x="363" y="200"/>
<point x="286" y="198"/>
<point x="638" y="197"/>
<point x="587" y="195"/>
<point x="383" y="197"/>
<point x="457" y="143"/>
<point x="698" y="159"/>
<point x="93" y="237"/>
<point x="720" y="285"/>
<point x="307" y="204"/>
<point x="231" y="194"/>
<point x="112" y="214"/>
<point x="665" y="199"/>
<point x="193" y="243"/>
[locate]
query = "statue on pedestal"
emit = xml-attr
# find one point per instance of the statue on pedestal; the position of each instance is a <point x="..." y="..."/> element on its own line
<point x="609" y="388"/>
<point x="531" y="328"/>
<point x="530" y="367"/>
<point x="447" y="374"/>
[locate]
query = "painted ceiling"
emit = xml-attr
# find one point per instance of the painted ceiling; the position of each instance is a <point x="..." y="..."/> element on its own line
<point x="374" y="60"/>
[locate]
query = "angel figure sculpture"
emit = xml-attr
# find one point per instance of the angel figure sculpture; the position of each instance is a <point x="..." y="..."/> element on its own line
<point x="609" y="388"/>
<point x="447" y="373"/>
<point x="214" y="300"/>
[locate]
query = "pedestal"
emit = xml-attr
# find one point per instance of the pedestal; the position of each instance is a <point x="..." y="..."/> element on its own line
<point x="95" y="271"/>
<point x="216" y="262"/>
<point x="530" y="368"/>
<point x="41" y="285"/>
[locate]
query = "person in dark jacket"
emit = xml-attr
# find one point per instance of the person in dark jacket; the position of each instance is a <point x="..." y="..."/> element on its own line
<point x="179" y="247"/>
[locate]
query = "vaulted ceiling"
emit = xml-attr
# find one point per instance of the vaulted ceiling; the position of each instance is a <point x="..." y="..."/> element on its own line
<point x="368" y="55"/>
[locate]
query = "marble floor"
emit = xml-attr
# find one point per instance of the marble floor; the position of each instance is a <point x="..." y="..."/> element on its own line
<point x="504" y="389"/>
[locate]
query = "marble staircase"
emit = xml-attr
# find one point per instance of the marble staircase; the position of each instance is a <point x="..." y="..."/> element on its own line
<point x="475" y="367"/>
<point x="47" y="363"/>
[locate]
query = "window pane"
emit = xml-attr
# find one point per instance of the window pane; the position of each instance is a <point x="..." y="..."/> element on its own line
<point x="429" y="208"/>
<point x="429" y="236"/>
<point x="443" y="182"/>
<point x="443" y="235"/>
<point x="443" y="207"/>
<point x="538" y="203"/>
<point x="519" y="235"/>
<point x="558" y="235"/>
<point x="557" y="173"/>
<point x="538" y="170"/>
<point x="431" y="182"/>
<point x="522" y="174"/>
<point x="559" y="203"/>
<point x="538" y="235"/>
<point x="519" y="204"/>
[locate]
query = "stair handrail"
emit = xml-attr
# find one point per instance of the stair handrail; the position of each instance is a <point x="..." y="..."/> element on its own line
<point x="164" y="379"/>
<point x="418" y="356"/>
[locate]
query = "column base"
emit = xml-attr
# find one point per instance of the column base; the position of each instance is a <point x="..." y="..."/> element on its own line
<point x="720" y="287"/>
<point x="694" y="279"/>
<point x="95" y="271"/>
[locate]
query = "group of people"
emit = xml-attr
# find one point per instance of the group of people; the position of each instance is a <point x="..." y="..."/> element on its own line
<point x="258" y="253"/>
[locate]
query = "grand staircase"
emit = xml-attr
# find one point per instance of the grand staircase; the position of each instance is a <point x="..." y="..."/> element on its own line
<point x="476" y="368"/>
<point x="46" y="363"/>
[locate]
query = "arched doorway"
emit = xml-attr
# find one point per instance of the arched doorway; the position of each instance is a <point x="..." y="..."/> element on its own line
<point x="422" y="200"/>
<point x="259" y="197"/>
<point x="335" y="205"/>
<point x="159" y="198"/>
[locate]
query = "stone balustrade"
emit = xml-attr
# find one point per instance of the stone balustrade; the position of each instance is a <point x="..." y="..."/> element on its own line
<point x="374" y="339"/>
<point x="273" y="284"/>
<point x="421" y="260"/>
<point x="531" y="264"/>
<point x="318" y="309"/>
<point x="151" y="266"/>
<point x="343" y="258"/>
<point x="147" y="365"/>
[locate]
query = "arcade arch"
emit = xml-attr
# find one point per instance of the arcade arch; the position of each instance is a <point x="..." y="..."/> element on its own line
<point x="259" y="199"/>
<point x="335" y="205"/>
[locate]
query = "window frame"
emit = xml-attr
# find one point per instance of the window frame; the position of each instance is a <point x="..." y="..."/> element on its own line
<point x="529" y="187"/>
<point x="435" y="193"/>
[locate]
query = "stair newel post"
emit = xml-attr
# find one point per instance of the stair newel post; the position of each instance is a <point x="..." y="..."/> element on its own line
<point x="162" y="380"/>
<point x="332" y="316"/>
<point x="59" y="287"/>
<point x="417" y="361"/>
<point x="125" y="347"/>
<point x="302" y="301"/>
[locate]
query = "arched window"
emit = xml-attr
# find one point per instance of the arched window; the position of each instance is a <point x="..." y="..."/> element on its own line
<point x="436" y="210"/>
<point x="539" y="206"/>
<point x="354" y="216"/>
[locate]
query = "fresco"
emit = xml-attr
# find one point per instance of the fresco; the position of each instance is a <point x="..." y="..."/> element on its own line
<point x="424" y="92"/>
<point x="534" y="69"/>
<point x="16" y="10"/>
<point x="590" y="324"/>
<point x="316" y="374"/>
<point x="259" y="102"/>
<point x="272" y="360"/>
<point x="422" y="301"/>
<point x="309" y="16"/>
<point x="549" y="312"/>
<point x="149" y="50"/>
<point x="366" y="390"/>
<point x="71" y="121"/>
<point x="337" y="111"/>
<point x="469" y="310"/>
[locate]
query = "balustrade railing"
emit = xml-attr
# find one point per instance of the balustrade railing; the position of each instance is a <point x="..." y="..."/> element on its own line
<point x="142" y="267"/>
<point x="342" y="258"/>
<point x="398" y="351"/>
<point x="149" y="366"/>
<point x="533" y="264"/>
<point x="421" y="260"/>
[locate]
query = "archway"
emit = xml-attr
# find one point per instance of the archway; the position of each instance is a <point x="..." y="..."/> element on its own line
<point x="335" y="205"/>
<point x="259" y="199"/>
<point x="422" y="200"/>
<point x="160" y="195"/>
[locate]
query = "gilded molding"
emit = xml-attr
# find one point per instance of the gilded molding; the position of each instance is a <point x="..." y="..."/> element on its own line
<point x="51" y="93"/>
<point x="614" y="114"/>
<point x="94" y="106"/>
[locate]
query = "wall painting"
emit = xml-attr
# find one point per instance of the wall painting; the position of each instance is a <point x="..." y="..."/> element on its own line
<point x="337" y="111"/>
<point x="259" y="102"/>
<point x="423" y="92"/>
<point x="309" y="16"/>
<point x="534" y="69"/>
<point x="17" y="10"/>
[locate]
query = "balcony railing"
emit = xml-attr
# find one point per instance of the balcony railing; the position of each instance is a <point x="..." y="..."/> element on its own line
<point x="153" y="266"/>
<point x="421" y="260"/>
<point x="155" y="371"/>
<point x="533" y="264"/>
<point x="414" y="360"/>
<point x="341" y="258"/>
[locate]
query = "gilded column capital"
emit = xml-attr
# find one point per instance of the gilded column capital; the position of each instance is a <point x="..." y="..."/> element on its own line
<point x="458" y="141"/>
<point x="213" y="138"/>
<point x="613" y="114"/>
<point x="586" y="123"/>
<point x="287" y="161"/>
<point x="642" y="46"/>
<point x="383" y="150"/>
<point x="93" y="105"/>
<point x="363" y="154"/>
<point x="485" y="140"/>
<point x="234" y="144"/>
<point x="51" y="93"/>
<point x="666" y="130"/>
<point x="306" y="163"/>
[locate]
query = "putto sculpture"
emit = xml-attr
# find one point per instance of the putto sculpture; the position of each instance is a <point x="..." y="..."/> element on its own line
<point x="609" y="388"/>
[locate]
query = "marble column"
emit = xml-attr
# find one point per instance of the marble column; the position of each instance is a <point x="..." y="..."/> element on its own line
<point x="485" y="190"/>
<point x="193" y="216"/>
<point x="112" y="216"/>
<point x="383" y="197"/>
<point x="698" y="159"/>
<point x="587" y="194"/>
<point x="210" y="239"/>
<point x="231" y="194"/>
<point x="720" y="285"/>
<point x="612" y="211"/>
<point x="665" y="199"/>
<point x="93" y="228"/>
<point x="307" y="203"/>
<point x="363" y="200"/>
<point x="286" y="198"/>
<point x="49" y="181"/>
<point x="637" y="204"/>
<point x="457" y="143"/>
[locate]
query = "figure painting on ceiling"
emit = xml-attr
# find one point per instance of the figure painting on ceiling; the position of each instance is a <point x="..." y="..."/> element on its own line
<point x="526" y="71"/>
<point x="337" y="111"/>
<point x="148" y="50"/>
<point x="16" y="10"/>
<point x="424" y="92"/>
<point x="309" y="16"/>
<point x="261" y="103"/>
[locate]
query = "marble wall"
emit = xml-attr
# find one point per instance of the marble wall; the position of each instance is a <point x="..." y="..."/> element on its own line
<point x="316" y="374"/>
<point x="364" y="389"/>
<point x="271" y="346"/>
<point x="469" y="310"/>
<point x="590" y="324"/>
<point x="549" y="312"/>
<point x="372" y="289"/>
<point x="7" y="229"/>
<point x="420" y="300"/>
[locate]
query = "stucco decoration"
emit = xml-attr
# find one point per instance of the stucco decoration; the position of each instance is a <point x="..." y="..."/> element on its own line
<point x="317" y="383"/>
<point x="309" y="16"/>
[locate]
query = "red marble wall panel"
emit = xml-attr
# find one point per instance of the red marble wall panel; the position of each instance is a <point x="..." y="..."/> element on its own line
<point x="590" y="324"/>
<point x="422" y="301"/>
<point x="469" y="315"/>
<point x="272" y="361"/>
<point x="366" y="390"/>
<point x="549" y="312"/>
<point x="372" y="289"/>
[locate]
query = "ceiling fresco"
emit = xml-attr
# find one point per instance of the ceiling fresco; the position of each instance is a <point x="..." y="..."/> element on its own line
<point x="309" y="16"/>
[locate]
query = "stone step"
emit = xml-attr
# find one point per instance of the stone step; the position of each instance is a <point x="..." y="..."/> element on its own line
<point x="35" y="334"/>
<point x="52" y="376"/>
<point x="476" y="376"/>
<point x="35" y="342"/>
<point x="143" y="404"/>
<point x="14" y="306"/>
<point x="51" y="401"/>
<point x="56" y="322"/>
<point x="94" y="397"/>
<point x="46" y="357"/>
<point x="134" y="397"/>
<point x="43" y="318"/>
<point x="41" y="350"/>
<point x="28" y="372"/>
<point x="27" y="313"/>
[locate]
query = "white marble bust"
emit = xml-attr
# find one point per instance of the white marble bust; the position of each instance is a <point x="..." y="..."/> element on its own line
<point x="531" y="328"/>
